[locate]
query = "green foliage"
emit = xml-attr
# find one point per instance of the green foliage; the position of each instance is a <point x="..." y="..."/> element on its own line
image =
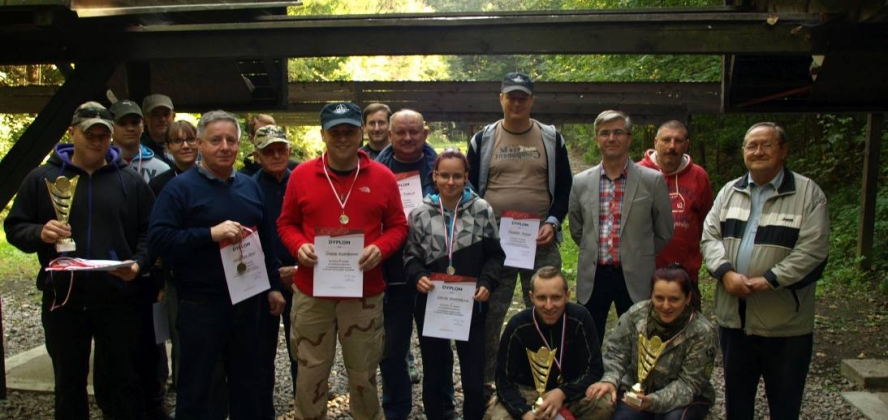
<point x="16" y="264"/>
<point x="33" y="74"/>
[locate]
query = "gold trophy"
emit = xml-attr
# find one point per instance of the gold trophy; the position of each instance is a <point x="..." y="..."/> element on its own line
<point x="540" y="367"/>
<point x="61" y="192"/>
<point x="648" y="353"/>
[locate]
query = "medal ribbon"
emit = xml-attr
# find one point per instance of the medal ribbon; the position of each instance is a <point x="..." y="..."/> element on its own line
<point x="341" y="202"/>
<point x="546" y="342"/>
<point x="241" y="243"/>
<point x="448" y="241"/>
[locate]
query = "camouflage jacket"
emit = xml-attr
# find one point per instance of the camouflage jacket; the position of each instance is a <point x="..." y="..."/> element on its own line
<point x="683" y="370"/>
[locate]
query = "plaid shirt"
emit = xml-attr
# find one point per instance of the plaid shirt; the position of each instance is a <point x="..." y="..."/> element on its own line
<point x="610" y="199"/>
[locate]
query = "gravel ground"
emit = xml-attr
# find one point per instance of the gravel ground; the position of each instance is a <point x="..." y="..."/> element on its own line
<point x="22" y="331"/>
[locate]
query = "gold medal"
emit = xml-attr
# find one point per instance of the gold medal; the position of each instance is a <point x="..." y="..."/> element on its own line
<point x="241" y="267"/>
<point x="450" y="270"/>
<point x="343" y="219"/>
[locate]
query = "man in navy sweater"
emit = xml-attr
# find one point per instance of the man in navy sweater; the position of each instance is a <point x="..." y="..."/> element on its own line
<point x="196" y="212"/>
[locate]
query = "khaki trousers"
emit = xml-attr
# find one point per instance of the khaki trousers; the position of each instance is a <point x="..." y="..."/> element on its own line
<point x="315" y="325"/>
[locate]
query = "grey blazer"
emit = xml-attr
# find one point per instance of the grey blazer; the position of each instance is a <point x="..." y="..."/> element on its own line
<point x="646" y="227"/>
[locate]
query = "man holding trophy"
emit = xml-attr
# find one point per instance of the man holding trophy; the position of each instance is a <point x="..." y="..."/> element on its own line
<point x="548" y="356"/>
<point x="83" y="204"/>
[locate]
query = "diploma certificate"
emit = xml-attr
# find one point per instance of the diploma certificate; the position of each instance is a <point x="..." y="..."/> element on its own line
<point x="410" y="186"/>
<point x="518" y="233"/>
<point x="337" y="273"/>
<point x="252" y="277"/>
<point x="449" y="307"/>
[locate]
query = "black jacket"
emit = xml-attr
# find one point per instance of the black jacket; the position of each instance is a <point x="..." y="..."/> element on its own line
<point x="109" y="221"/>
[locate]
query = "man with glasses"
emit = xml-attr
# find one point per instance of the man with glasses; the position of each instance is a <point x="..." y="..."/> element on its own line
<point x="766" y="241"/>
<point x="621" y="217"/>
<point x="691" y="197"/>
<point x="273" y="147"/>
<point x="159" y="113"/>
<point x="519" y="164"/>
<point x="197" y="214"/>
<point x="411" y="159"/>
<point x="376" y="125"/>
<point x="108" y="219"/>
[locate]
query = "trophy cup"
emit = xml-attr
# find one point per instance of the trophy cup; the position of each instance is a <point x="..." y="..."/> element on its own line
<point x="61" y="192"/>
<point x="648" y="353"/>
<point x="540" y="366"/>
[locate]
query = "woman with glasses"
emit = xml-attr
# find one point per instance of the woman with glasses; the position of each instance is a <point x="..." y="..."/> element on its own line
<point x="676" y="346"/>
<point x="181" y="144"/>
<point x="453" y="235"/>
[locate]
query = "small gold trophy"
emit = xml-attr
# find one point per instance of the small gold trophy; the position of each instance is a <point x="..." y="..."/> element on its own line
<point x="648" y="353"/>
<point x="61" y="192"/>
<point x="540" y="367"/>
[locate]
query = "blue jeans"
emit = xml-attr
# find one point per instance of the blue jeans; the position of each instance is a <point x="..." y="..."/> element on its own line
<point x="214" y="330"/>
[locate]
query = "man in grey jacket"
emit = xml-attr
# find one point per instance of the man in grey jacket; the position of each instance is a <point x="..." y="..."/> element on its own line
<point x="766" y="241"/>
<point x="621" y="217"/>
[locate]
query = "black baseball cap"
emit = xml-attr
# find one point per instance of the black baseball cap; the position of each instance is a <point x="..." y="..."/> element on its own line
<point x="125" y="107"/>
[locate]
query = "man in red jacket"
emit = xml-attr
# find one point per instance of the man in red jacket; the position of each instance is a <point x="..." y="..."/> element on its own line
<point x="342" y="192"/>
<point x="691" y="197"/>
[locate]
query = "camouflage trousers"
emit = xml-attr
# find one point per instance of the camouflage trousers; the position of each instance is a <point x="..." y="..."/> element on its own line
<point x="582" y="409"/>
<point x="501" y="299"/>
<point x="315" y="326"/>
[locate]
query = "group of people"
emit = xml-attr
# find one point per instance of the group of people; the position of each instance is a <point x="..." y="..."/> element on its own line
<point x="230" y="254"/>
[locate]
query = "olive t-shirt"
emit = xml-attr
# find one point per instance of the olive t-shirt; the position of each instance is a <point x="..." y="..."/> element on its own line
<point x="518" y="178"/>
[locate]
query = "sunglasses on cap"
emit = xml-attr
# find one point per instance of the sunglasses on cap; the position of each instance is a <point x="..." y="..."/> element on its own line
<point x="87" y="113"/>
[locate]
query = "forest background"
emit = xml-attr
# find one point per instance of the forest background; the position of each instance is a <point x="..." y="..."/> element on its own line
<point x="826" y="147"/>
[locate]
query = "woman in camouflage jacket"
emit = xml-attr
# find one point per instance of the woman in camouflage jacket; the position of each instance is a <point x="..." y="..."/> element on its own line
<point x="677" y="386"/>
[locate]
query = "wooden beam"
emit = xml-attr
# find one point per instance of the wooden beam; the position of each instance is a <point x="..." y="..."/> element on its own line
<point x="453" y="98"/>
<point x="651" y="31"/>
<point x="87" y="82"/>
<point x="866" y="227"/>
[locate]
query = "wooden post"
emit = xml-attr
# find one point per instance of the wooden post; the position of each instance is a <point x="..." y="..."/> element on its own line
<point x="866" y="228"/>
<point x="2" y="356"/>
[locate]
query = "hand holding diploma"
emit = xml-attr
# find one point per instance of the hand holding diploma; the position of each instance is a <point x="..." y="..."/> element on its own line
<point x="370" y="258"/>
<point x="126" y="273"/>
<point x="307" y="256"/>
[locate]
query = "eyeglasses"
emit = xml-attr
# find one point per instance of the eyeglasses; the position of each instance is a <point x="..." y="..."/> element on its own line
<point x="766" y="147"/>
<point x="607" y="133"/>
<point x="178" y="141"/>
<point x="87" y="113"/>
<point x="447" y="177"/>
